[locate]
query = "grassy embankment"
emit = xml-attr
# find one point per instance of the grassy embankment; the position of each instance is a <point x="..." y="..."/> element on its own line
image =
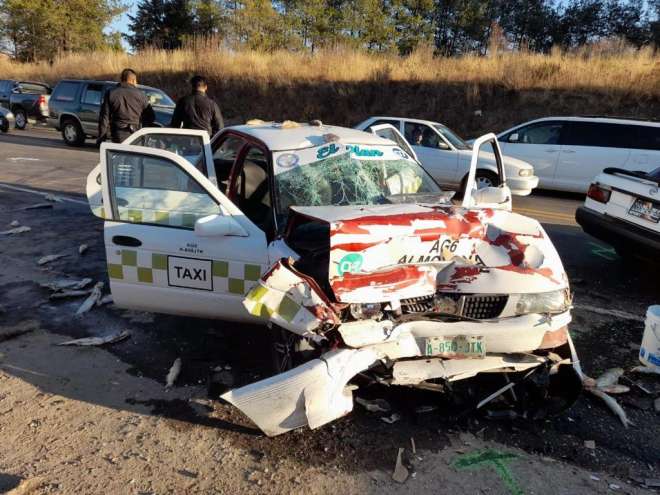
<point x="346" y="86"/>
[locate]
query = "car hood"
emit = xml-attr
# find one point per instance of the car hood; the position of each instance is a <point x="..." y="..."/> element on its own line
<point x="510" y="163"/>
<point x="393" y="252"/>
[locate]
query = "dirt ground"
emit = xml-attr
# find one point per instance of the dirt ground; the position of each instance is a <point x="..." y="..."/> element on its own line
<point x="100" y="420"/>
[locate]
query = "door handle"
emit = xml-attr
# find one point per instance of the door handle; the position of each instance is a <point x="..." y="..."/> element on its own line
<point x="568" y="151"/>
<point x="124" y="240"/>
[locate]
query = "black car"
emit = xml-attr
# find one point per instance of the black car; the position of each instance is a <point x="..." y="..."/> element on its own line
<point x="75" y="106"/>
<point x="26" y="99"/>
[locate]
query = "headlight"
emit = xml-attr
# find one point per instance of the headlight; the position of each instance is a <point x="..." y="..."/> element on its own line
<point x="525" y="172"/>
<point x="556" y="301"/>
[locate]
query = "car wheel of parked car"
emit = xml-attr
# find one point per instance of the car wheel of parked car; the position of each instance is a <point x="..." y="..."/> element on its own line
<point x="483" y="178"/>
<point x="72" y="133"/>
<point x="21" y="118"/>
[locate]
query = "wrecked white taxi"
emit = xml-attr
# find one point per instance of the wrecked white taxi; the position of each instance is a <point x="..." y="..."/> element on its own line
<point x="342" y="244"/>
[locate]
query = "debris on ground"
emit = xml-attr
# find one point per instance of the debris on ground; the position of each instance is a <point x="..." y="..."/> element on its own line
<point x="590" y="444"/>
<point x="92" y="341"/>
<point x="610" y="377"/>
<point x="173" y="373"/>
<point x="107" y="299"/>
<point x="400" y="474"/>
<point x="656" y="405"/>
<point x="82" y="248"/>
<point x="605" y="384"/>
<point x="93" y="299"/>
<point x="376" y="405"/>
<point x="64" y="294"/>
<point x="16" y="230"/>
<point x="51" y="257"/>
<point x="391" y="419"/>
<point x="15" y="223"/>
<point x="52" y="198"/>
<point x="612" y="404"/>
<point x="67" y="284"/>
<point x="38" y="206"/>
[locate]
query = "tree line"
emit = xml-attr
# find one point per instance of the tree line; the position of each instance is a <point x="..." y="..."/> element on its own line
<point x="40" y="29"/>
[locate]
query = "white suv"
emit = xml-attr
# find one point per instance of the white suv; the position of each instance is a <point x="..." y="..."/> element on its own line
<point x="445" y="156"/>
<point x="567" y="152"/>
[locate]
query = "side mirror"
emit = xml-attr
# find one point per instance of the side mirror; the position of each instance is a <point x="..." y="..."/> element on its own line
<point x="493" y="196"/>
<point x="442" y="145"/>
<point x="218" y="225"/>
<point x="513" y="138"/>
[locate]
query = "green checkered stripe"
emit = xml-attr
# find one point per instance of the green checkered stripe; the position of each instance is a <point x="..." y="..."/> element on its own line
<point x="267" y="303"/>
<point x="129" y="265"/>
<point x="170" y="218"/>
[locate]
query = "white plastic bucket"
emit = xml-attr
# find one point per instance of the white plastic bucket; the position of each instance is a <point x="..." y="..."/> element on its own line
<point x="649" y="353"/>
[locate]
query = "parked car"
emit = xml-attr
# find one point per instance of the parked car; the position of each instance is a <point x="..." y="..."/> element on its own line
<point x="446" y="156"/>
<point x="350" y="252"/>
<point x="567" y="152"/>
<point x="75" y="106"/>
<point x="25" y="99"/>
<point x="622" y="208"/>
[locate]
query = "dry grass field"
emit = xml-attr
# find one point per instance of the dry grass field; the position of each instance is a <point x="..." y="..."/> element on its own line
<point x="344" y="86"/>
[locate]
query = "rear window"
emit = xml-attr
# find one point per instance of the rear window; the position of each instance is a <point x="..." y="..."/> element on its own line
<point x="65" y="91"/>
<point x="33" y="88"/>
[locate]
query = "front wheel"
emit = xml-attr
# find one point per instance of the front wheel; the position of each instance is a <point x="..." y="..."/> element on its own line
<point x="72" y="133"/>
<point x="482" y="178"/>
<point x="21" y="119"/>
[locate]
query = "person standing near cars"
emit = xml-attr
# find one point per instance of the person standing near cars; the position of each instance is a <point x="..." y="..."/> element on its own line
<point x="198" y="111"/>
<point x="124" y="110"/>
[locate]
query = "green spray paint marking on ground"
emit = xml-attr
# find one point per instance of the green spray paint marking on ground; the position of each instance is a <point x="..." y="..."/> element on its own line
<point x="497" y="460"/>
<point x="604" y="252"/>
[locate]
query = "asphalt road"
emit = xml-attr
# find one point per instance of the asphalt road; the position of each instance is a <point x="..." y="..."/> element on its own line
<point x="611" y="296"/>
<point x="38" y="158"/>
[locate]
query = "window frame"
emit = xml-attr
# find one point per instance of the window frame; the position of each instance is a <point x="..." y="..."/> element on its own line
<point x="563" y="123"/>
<point x="111" y="189"/>
<point x="84" y="95"/>
<point x="57" y="93"/>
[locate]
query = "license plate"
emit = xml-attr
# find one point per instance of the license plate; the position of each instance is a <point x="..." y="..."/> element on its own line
<point x="464" y="346"/>
<point x="643" y="208"/>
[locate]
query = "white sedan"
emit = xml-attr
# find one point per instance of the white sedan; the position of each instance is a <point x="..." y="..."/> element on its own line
<point x="447" y="157"/>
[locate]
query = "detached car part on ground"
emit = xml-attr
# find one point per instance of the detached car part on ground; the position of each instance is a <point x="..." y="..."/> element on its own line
<point x="622" y="208"/>
<point x="372" y="273"/>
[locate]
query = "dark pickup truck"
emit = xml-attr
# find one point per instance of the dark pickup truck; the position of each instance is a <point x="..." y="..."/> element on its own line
<point x="75" y="106"/>
<point x="26" y="99"/>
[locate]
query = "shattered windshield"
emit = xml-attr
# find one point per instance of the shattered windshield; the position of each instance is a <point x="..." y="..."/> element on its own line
<point x="347" y="179"/>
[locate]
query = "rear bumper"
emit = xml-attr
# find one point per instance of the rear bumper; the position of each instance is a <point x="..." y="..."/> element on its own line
<point x="618" y="233"/>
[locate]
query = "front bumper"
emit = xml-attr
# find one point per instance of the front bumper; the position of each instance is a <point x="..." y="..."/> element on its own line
<point x="618" y="233"/>
<point x="522" y="186"/>
<point x="317" y="392"/>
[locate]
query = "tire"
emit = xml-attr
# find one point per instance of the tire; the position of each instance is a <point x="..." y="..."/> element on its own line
<point x="72" y="133"/>
<point x="284" y="351"/>
<point x="483" y="178"/>
<point x="21" y="121"/>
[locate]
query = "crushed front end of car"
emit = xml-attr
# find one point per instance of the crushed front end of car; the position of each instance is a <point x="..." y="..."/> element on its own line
<point x="414" y="295"/>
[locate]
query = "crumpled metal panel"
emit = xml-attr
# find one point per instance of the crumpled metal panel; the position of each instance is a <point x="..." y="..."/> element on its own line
<point x="291" y="300"/>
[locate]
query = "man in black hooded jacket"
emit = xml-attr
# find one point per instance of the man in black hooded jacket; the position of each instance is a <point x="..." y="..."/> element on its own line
<point x="198" y="111"/>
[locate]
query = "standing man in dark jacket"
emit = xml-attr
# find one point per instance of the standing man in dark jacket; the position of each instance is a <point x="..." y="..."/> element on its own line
<point x="124" y="110"/>
<point x="198" y="111"/>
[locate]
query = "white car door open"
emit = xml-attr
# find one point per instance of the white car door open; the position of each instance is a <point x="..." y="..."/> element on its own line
<point x="174" y="243"/>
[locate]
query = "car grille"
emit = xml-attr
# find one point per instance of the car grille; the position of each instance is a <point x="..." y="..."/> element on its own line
<point x="479" y="307"/>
